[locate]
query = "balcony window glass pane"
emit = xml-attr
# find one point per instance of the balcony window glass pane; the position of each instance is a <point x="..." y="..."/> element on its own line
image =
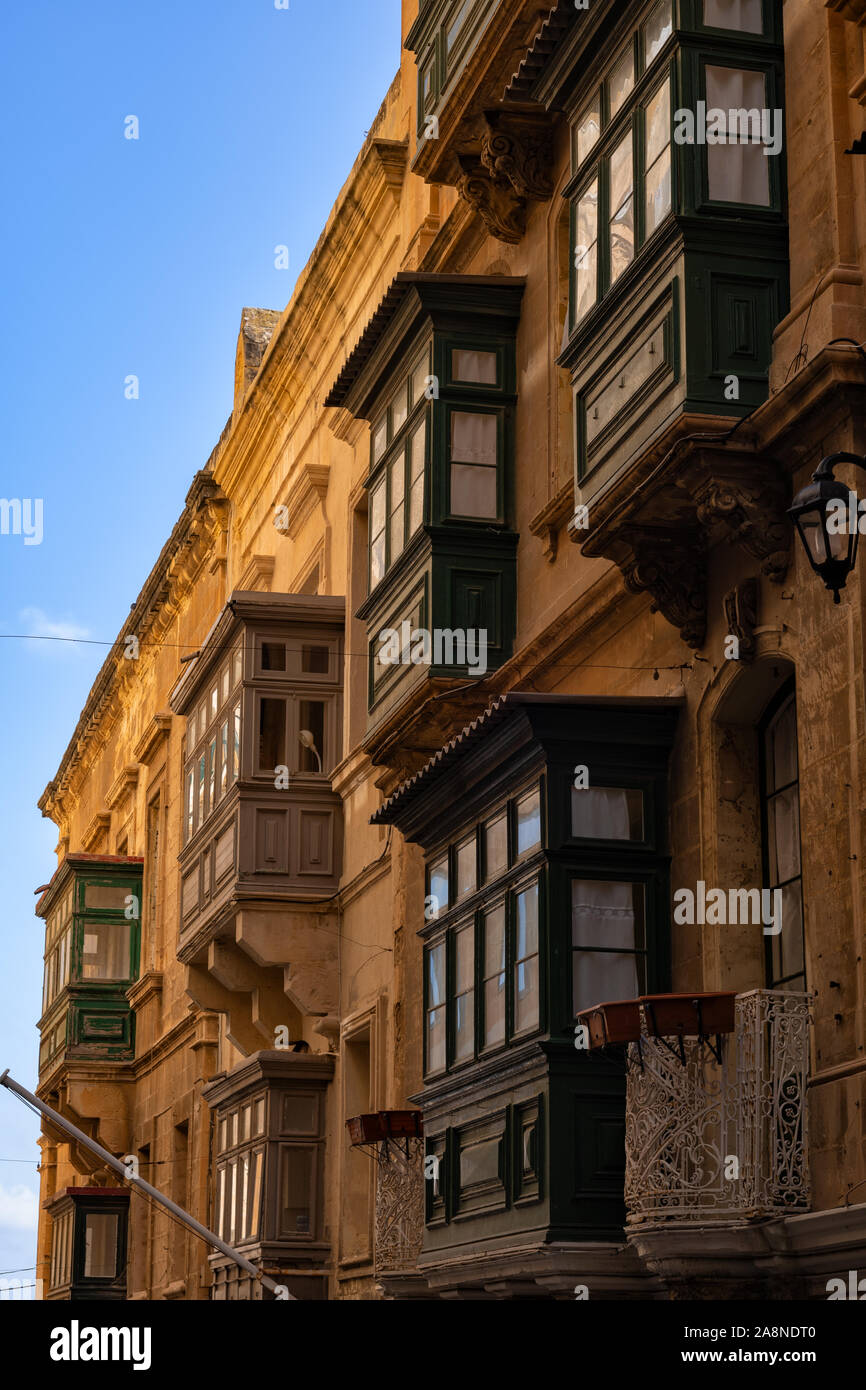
<point x="436" y="1008"/>
<point x="256" y="1193"/>
<point x="212" y="751"/>
<point x="312" y="716"/>
<point x="105" y="897"/>
<point x="622" y="208"/>
<point x="658" y="123"/>
<point x="105" y="951"/>
<point x="439" y="885"/>
<point x="588" y="128"/>
<point x="473" y="438"/>
<point x="190" y="731"/>
<point x="607" y="813"/>
<point x="464" y="993"/>
<point x="744" y="16"/>
<point x="300" y="1114"/>
<point x="214" y="702"/>
<point x="496" y="847"/>
<point x="377" y="533"/>
<point x="202" y="719"/>
<point x="224" y="757"/>
<point x="233" y="1198"/>
<point x="396" y="473"/>
<point x="380" y="438"/>
<point x="528" y="822"/>
<point x="657" y="29"/>
<point x="586" y="251"/>
<point x="417" y="449"/>
<point x="494" y="977"/>
<point x="200" y="785"/>
<point x="273" y="656"/>
<point x="607" y="926"/>
<point x="473" y="366"/>
<point x="236" y="744"/>
<point x="473" y="491"/>
<point x="419" y="380"/>
<point x="457" y="24"/>
<point x="100" y="1245"/>
<point x="237" y="665"/>
<point x="658" y="192"/>
<point x="315" y="660"/>
<point x="526" y="1011"/>
<point x="400" y="408"/>
<point x="259" y="1117"/>
<point x="190" y="804"/>
<point x="621" y="80"/>
<point x="296" y="1181"/>
<point x="737" y="173"/>
<point x="465" y="866"/>
<point x="224" y="684"/>
<point x="221" y="1224"/>
<point x="272" y="734"/>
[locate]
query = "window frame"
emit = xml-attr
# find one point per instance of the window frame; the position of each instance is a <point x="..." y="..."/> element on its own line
<point x="774" y="708"/>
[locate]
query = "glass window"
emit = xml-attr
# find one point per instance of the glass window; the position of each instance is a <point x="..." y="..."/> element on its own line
<point x="272" y="734"/>
<point x="744" y="16"/>
<point x="419" y="379"/>
<point x="190" y="731"/>
<point x="657" y="180"/>
<point x="380" y="438"/>
<point x="528" y="822"/>
<point x="621" y="81"/>
<point x="105" y="897"/>
<point x="473" y="464"/>
<point x="457" y="24"/>
<point x="438" y="888"/>
<point x="467" y="365"/>
<point x="417" y="450"/>
<point x="526" y="1011"/>
<point x="259" y="1116"/>
<point x="436" y="1007"/>
<point x="464" y="993"/>
<point x="608" y="940"/>
<point x="494" y="977"/>
<point x="273" y="656"/>
<point x="190" y="804"/>
<point x="237" y="665"/>
<point x="400" y="408"/>
<point x="296" y="1182"/>
<point x="588" y="129"/>
<point x="737" y="172"/>
<point x="224" y="684"/>
<point x="781" y="823"/>
<point x="377" y="533"/>
<point x="465" y="867"/>
<point x="214" y="702"/>
<point x="496" y="847"/>
<point x="236" y="745"/>
<point x="312" y="748"/>
<point x="105" y="951"/>
<point x="658" y="29"/>
<point x="255" y="1205"/>
<point x="212" y="752"/>
<point x="396" y="485"/>
<point x="224" y="757"/>
<point x="586" y="251"/>
<point x="315" y="660"/>
<point x="607" y="813"/>
<point x="621" y="223"/>
<point x="100" y="1245"/>
<point x="200" y="785"/>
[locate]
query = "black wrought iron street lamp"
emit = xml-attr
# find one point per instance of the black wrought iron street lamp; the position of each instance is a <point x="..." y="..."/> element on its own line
<point x="831" y="553"/>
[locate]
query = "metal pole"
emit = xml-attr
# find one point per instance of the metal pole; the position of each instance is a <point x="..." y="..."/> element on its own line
<point x="117" y="1167"/>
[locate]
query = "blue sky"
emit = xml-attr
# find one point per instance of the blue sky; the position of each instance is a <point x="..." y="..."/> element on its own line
<point x="133" y="257"/>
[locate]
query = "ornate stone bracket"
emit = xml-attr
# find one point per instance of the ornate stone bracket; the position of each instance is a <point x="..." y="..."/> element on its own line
<point x="751" y="509"/>
<point x="671" y="566"/>
<point x="513" y="166"/>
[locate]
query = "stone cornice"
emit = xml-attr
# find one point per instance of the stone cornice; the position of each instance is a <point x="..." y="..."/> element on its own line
<point x="198" y="534"/>
<point x="156" y="733"/>
<point x="124" y="787"/>
<point x="99" y="826"/>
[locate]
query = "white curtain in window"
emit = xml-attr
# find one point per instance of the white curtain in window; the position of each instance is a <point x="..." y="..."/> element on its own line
<point x="600" y="813"/>
<point x="737" y="173"/>
<point x="603" y="915"/>
<point x="742" y="15"/>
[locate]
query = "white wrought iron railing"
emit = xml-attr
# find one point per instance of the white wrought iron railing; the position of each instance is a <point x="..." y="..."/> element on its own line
<point x="721" y="1140"/>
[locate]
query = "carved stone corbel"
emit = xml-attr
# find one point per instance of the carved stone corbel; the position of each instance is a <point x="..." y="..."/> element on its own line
<point x="752" y="512"/>
<point x="671" y="566"/>
<point x="513" y="166"/>
<point x="499" y="207"/>
<point x="741" y="617"/>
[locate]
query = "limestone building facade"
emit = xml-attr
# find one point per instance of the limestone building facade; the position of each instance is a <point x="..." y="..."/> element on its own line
<point x="483" y="680"/>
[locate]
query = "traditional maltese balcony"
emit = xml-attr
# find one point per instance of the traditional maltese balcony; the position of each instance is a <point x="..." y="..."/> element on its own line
<point x="262" y="826"/>
<point x="716" y="1128"/>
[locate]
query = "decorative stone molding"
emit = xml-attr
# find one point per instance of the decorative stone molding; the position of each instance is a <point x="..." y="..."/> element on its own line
<point x="157" y="731"/>
<point x="393" y="157"/>
<point x="258" y="574"/>
<point x="671" y="566"/>
<point x="513" y="166"/>
<point x="97" y="828"/>
<point x="308" y="488"/>
<point x="741" y="617"/>
<point x="147" y="987"/>
<point x="124" y="787"/>
<point x="546" y="523"/>
<point x="751" y="508"/>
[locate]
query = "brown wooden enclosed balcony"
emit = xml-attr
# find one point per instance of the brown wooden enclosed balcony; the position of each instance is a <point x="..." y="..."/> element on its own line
<point x="262" y="827"/>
